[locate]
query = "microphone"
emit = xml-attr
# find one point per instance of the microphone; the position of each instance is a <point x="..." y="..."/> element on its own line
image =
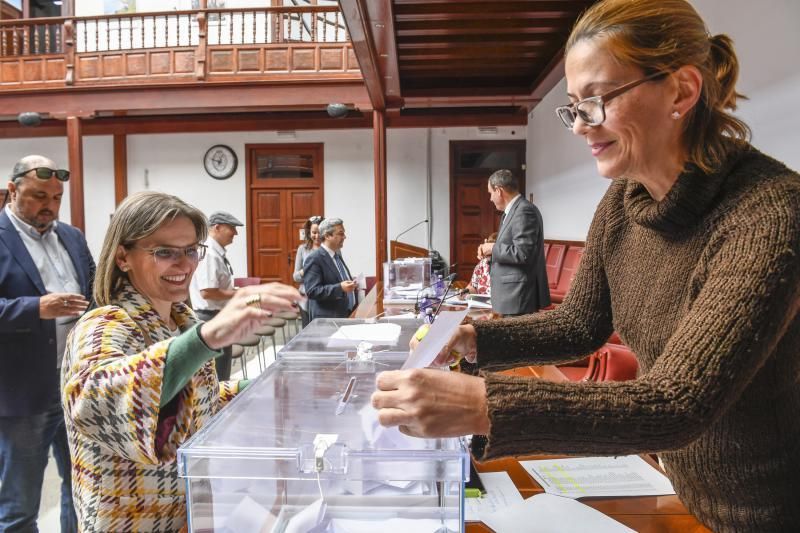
<point x="409" y="229"/>
<point x="449" y="279"/>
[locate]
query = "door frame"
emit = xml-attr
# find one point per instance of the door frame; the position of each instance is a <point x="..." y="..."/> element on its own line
<point x="520" y="144"/>
<point x="250" y="160"/>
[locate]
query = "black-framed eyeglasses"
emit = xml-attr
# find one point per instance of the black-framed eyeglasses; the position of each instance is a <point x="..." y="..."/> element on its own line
<point x="45" y="173"/>
<point x="170" y="254"/>
<point x="592" y="110"/>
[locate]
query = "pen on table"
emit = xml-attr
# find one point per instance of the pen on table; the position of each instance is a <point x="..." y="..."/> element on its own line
<point x="348" y="393"/>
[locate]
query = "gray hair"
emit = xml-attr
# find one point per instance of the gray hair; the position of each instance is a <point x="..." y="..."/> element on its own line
<point x="504" y="178"/>
<point x="327" y="226"/>
<point x="138" y="216"/>
<point x="27" y="163"/>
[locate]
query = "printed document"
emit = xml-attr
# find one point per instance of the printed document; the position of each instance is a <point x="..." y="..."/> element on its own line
<point x="500" y="493"/>
<point x="579" y="477"/>
<point x="545" y="513"/>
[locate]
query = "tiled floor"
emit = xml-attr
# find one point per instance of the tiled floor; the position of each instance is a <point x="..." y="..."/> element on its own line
<point x="49" y="510"/>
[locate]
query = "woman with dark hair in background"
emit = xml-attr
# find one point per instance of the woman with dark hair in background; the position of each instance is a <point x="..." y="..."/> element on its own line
<point x="312" y="242"/>
<point x="692" y="257"/>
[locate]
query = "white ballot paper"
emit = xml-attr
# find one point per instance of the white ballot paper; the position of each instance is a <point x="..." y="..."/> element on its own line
<point x="383" y="333"/>
<point x="578" y="477"/>
<point x="500" y="493"/>
<point x="440" y="332"/>
<point x="545" y="513"/>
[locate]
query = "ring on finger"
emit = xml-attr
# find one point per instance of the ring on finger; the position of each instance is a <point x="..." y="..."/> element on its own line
<point x="65" y="302"/>
<point x="254" y="300"/>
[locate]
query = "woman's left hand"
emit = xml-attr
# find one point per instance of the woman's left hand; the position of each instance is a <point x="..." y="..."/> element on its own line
<point x="432" y="403"/>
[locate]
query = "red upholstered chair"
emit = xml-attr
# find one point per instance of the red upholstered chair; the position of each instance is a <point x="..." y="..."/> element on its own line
<point x="569" y="267"/>
<point x="369" y="282"/>
<point x="612" y="362"/>
<point x="244" y="282"/>
<point x="553" y="260"/>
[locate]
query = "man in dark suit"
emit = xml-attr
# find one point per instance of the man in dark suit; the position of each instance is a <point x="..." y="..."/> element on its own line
<point x="46" y="275"/>
<point x="518" y="274"/>
<point x="329" y="286"/>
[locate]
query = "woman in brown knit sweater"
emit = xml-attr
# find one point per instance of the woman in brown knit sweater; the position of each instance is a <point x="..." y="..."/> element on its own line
<point x="692" y="257"/>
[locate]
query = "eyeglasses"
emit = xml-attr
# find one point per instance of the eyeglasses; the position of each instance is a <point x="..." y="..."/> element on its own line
<point x="168" y="254"/>
<point x="592" y="110"/>
<point x="45" y="173"/>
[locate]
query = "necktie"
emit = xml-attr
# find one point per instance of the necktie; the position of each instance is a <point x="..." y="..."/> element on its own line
<point x="228" y="264"/>
<point x="351" y="297"/>
<point x="502" y="218"/>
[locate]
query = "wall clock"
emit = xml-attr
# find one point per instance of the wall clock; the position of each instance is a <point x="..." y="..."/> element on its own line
<point x="220" y="162"/>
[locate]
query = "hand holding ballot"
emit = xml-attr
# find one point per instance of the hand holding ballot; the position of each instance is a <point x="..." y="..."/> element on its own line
<point x="432" y="403"/>
<point x="429" y="402"/>
<point x="462" y="345"/>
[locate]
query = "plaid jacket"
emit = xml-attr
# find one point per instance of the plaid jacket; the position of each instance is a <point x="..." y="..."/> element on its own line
<point x="111" y="389"/>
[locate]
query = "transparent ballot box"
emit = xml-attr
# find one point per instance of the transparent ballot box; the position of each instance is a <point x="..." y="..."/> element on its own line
<point x="301" y="450"/>
<point x="405" y="277"/>
<point x="340" y="336"/>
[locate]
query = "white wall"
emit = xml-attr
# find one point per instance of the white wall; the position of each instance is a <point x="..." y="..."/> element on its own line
<point x="406" y="176"/>
<point x="561" y="172"/>
<point x="174" y="165"/>
<point x="98" y="185"/>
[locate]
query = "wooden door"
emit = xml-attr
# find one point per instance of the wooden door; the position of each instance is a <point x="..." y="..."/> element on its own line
<point x="285" y="188"/>
<point x="473" y="217"/>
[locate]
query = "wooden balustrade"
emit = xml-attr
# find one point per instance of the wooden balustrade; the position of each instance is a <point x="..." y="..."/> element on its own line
<point x="175" y="46"/>
<point x="38" y="37"/>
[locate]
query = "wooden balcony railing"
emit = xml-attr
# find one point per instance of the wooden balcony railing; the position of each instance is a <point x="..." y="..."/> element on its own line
<point x="175" y="46"/>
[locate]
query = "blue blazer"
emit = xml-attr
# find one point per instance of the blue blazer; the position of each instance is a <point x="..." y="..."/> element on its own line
<point x="29" y="378"/>
<point x="322" y="281"/>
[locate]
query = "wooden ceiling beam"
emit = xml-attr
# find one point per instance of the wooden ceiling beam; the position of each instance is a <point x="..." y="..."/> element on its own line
<point x="550" y="75"/>
<point x="465" y="56"/>
<point x="469" y="66"/>
<point x="474" y="32"/>
<point x="83" y="101"/>
<point x="435" y="42"/>
<point x="451" y="100"/>
<point x="531" y="16"/>
<point x="361" y="30"/>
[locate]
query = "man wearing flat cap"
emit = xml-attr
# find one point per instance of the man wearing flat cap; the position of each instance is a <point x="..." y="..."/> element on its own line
<point x="212" y="284"/>
<point x="46" y="276"/>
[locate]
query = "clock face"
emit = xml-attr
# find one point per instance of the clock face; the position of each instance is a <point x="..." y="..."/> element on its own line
<point x="220" y="162"/>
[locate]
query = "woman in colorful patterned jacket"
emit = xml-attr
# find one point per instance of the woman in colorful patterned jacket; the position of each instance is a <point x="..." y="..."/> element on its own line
<point x="138" y="377"/>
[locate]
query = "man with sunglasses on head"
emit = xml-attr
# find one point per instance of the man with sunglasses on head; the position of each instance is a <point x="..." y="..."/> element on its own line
<point x="46" y="275"/>
<point x="212" y="283"/>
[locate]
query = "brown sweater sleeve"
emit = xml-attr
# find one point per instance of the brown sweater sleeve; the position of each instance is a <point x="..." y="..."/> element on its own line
<point x="576" y="328"/>
<point x="748" y="299"/>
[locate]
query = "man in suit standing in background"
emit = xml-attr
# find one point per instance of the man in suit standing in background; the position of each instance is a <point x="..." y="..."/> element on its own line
<point x="329" y="286"/>
<point x="46" y="276"/>
<point x="518" y="274"/>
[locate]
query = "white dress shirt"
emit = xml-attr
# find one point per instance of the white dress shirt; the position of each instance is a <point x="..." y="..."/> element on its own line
<point x="212" y="273"/>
